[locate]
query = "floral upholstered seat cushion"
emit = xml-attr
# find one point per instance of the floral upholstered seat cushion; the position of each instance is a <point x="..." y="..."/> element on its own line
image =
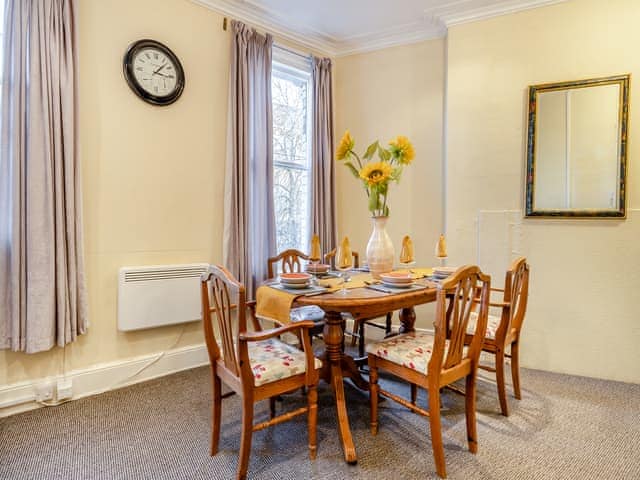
<point x="412" y="350"/>
<point x="493" y="323"/>
<point x="273" y="360"/>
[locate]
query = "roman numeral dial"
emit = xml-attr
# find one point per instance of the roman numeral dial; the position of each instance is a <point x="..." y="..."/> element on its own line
<point x="153" y="72"/>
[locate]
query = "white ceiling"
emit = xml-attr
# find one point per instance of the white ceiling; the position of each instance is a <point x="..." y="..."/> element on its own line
<point x="342" y="27"/>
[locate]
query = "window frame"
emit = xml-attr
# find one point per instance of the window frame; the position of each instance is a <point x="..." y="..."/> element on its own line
<point x="297" y="68"/>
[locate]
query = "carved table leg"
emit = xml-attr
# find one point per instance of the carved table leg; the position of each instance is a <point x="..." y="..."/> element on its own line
<point x="407" y="320"/>
<point x="332" y="372"/>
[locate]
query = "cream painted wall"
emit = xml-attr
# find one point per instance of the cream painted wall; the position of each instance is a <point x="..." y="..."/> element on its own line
<point x="153" y="176"/>
<point x="582" y="316"/>
<point x="378" y="95"/>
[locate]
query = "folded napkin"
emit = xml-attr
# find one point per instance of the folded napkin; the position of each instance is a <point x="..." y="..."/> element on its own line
<point x="274" y="304"/>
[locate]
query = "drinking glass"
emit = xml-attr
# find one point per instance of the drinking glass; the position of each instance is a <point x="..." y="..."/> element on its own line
<point x="344" y="262"/>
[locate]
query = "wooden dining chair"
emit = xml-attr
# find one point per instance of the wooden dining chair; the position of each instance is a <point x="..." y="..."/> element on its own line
<point x="254" y="364"/>
<point x="503" y="331"/>
<point x="433" y="361"/>
<point x="291" y="261"/>
<point x="357" y="332"/>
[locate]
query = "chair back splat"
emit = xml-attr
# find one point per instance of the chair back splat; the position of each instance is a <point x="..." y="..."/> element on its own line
<point x="218" y="288"/>
<point x="290" y="262"/>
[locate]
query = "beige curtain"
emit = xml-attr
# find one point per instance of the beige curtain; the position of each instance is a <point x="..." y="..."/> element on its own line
<point x="42" y="287"/>
<point x="323" y="196"/>
<point x="249" y="224"/>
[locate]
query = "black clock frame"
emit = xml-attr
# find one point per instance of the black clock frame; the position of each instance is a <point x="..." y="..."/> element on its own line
<point x="127" y="65"/>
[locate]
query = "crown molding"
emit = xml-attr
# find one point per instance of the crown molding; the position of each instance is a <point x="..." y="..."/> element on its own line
<point x="456" y="13"/>
<point x="433" y="24"/>
<point x="274" y="23"/>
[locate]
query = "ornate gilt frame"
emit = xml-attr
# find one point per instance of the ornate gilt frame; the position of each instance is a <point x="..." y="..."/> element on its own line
<point x="623" y="112"/>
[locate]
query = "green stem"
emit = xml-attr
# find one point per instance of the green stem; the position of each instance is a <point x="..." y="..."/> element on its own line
<point x="357" y="158"/>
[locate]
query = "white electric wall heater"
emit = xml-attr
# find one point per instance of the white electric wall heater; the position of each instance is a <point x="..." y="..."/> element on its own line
<point x="155" y="296"/>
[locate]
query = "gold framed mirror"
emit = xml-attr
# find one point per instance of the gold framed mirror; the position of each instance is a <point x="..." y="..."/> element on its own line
<point x="577" y="148"/>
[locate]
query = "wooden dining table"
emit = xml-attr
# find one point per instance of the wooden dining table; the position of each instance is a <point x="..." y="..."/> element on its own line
<point x="362" y="303"/>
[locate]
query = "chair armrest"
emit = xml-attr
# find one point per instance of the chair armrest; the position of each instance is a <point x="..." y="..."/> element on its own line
<point x="275" y="332"/>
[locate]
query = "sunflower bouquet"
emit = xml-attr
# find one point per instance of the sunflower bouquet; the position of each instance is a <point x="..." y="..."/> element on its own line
<point x="377" y="175"/>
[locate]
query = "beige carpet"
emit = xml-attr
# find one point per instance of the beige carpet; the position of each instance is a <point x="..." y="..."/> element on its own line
<point x="564" y="428"/>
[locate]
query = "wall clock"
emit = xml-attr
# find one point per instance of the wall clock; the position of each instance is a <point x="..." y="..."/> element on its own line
<point x="153" y="72"/>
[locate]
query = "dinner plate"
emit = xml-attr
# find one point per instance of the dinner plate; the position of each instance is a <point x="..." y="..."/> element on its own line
<point x="295" y="286"/>
<point x="444" y="270"/>
<point x="317" y="268"/>
<point x="397" y="285"/>
<point x="397" y="278"/>
<point x="294" y="278"/>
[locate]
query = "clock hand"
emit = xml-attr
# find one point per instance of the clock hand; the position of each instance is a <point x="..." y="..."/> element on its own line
<point x="158" y="70"/>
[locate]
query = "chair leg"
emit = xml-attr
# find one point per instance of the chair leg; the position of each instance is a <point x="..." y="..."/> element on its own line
<point x="272" y="407"/>
<point x="502" y="390"/>
<point x="470" y="413"/>
<point x="436" y="432"/>
<point x="373" y="394"/>
<point x="312" y="402"/>
<point x="216" y="408"/>
<point x="414" y="393"/>
<point x="515" y="369"/>
<point x="245" y="438"/>
<point x="361" y="339"/>
<point x="355" y="330"/>
<point x="387" y="323"/>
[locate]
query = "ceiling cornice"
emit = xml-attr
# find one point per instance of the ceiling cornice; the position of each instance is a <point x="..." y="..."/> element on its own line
<point x="433" y="24"/>
<point x="274" y="24"/>
<point x="450" y="15"/>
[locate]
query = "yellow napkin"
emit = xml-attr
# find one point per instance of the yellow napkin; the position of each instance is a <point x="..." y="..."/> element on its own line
<point x="357" y="281"/>
<point x="274" y="304"/>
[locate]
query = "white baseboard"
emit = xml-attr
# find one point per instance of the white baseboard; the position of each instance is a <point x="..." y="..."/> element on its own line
<point x="21" y="397"/>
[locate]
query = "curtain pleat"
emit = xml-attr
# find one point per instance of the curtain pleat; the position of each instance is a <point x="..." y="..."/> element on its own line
<point x="249" y="237"/>
<point x="42" y="284"/>
<point x="323" y="196"/>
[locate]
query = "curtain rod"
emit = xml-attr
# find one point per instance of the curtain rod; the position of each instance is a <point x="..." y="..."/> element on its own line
<point x="293" y="52"/>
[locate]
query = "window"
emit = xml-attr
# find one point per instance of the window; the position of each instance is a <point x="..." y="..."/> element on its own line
<point x="291" y="98"/>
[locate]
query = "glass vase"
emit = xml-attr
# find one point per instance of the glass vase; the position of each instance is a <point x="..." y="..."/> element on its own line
<point x="380" y="253"/>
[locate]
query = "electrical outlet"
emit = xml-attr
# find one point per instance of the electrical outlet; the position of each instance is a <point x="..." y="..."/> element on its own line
<point x="65" y="389"/>
<point x="44" y="391"/>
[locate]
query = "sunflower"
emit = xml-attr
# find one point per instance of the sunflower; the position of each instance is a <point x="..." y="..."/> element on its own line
<point x="376" y="173"/>
<point x="345" y="147"/>
<point x="402" y="149"/>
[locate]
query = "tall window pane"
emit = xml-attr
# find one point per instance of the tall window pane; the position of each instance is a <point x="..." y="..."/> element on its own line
<point x="291" y="155"/>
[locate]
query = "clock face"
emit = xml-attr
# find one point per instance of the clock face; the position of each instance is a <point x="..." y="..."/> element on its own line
<point x="153" y="72"/>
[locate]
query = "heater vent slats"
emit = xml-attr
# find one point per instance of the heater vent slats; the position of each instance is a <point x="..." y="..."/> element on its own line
<point x="163" y="274"/>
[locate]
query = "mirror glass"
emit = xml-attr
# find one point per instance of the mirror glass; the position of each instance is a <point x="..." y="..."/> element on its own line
<point x="576" y="152"/>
